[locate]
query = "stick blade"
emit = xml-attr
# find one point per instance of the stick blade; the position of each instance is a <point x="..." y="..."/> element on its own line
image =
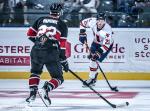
<point x="115" y="89"/>
<point x="122" y="105"/>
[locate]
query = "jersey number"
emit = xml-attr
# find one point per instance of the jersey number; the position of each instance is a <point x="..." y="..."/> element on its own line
<point x="107" y="41"/>
<point x="51" y="31"/>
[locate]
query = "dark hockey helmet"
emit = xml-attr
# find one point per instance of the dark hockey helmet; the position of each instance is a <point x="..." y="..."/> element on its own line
<point x="101" y="16"/>
<point x="55" y="8"/>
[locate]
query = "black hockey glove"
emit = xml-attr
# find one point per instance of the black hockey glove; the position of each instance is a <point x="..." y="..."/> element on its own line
<point x="94" y="56"/>
<point x="65" y="65"/>
<point x="95" y="53"/>
<point x="40" y="41"/>
<point x="43" y="39"/>
<point x="83" y="38"/>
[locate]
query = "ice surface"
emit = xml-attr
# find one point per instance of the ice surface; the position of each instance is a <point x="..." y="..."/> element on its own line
<point x="71" y="96"/>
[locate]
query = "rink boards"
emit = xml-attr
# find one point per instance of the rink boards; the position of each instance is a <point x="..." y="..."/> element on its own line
<point x="128" y="60"/>
<point x="83" y="75"/>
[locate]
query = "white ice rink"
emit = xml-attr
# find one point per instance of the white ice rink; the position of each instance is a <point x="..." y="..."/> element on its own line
<point x="72" y="97"/>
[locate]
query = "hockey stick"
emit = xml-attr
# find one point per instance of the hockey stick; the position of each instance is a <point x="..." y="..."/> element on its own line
<point x="42" y="99"/>
<point x="112" y="105"/>
<point x="112" y="88"/>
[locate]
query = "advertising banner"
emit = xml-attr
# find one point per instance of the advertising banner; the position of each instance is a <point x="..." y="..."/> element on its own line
<point x="130" y="52"/>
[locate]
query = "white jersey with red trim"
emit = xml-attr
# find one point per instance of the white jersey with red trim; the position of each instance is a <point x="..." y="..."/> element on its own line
<point x="103" y="36"/>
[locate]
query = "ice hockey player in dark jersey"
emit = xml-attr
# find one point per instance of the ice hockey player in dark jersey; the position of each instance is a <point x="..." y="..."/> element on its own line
<point x="49" y="35"/>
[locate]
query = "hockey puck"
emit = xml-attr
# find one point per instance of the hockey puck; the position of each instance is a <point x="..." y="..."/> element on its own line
<point x="127" y="103"/>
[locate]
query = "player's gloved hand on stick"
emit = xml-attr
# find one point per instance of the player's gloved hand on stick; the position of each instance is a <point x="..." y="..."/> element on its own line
<point x="94" y="56"/>
<point x="43" y="39"/>
<point x="40" y="40"/>
<point x="65" y="65"/>
<point x="95" y="52"/>
<point x="83" y="38"/>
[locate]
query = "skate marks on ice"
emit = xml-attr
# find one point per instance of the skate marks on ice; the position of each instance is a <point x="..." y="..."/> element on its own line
<point x="72" y="101"/>
<point x="76" y="98"/>
<point x="60" y="107"/>
<point x="61" y="101"/>
<point x="75" y="107"/>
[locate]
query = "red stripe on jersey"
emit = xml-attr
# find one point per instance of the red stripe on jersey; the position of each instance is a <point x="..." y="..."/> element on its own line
<point x="97" y="37"/>
<point x="34" y="81"/>
<point x="105" y="47"/>
<point x="63" y="43"/>
<point x="55" y="83"/>
<point x="83" y="25"/>
<point x="31" y="32"/>
<point x="93" y="69"/>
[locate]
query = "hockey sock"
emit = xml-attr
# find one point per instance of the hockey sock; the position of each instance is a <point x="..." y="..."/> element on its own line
<point x="53" y="84"/>
<point x="34" y="80"/>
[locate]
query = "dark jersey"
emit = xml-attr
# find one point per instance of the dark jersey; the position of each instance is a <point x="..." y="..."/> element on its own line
<point x="57" y="25"/>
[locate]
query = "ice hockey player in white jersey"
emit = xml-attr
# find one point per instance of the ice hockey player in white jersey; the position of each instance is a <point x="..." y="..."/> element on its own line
<point x="101" y="45"/>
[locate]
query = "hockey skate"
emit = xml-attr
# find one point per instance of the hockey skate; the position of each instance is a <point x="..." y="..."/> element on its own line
<point x="90" y="81"/>
<point x="32" y="96"/>
<point x="43" y="93"/>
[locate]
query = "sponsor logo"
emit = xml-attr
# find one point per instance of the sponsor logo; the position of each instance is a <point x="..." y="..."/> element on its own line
<point x="9" y="57"/>
<point x="117" y="53"/>
<point x="14" y="60"/>
<point x="142" y="48"/>
<point x="68" y="49"/>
